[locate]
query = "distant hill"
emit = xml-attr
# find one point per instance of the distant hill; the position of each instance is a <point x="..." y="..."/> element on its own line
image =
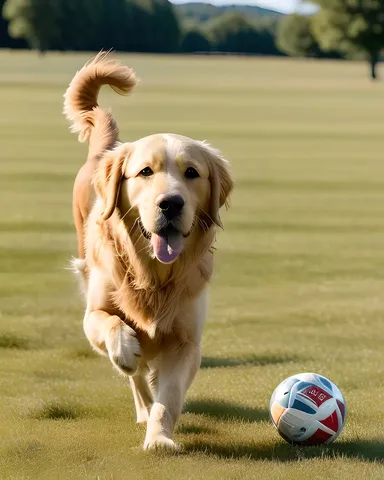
<point x="195" y="12"/>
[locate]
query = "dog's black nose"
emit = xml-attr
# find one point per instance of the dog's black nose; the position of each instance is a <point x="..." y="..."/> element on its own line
<point x="171" y="205"/>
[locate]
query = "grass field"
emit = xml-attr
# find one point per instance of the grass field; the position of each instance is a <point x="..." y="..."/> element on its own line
<point x="299" y="280"/>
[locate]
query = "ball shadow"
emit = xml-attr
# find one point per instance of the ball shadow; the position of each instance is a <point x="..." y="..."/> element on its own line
<point x="363" y="450"/>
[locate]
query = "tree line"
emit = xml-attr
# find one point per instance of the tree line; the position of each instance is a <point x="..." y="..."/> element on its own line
<point x="339" y="28"/>
<point x="126" y="25"/>
<point x="123" y="25"/>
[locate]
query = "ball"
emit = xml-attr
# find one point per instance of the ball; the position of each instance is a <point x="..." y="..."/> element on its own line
<point x="308" y="409"/>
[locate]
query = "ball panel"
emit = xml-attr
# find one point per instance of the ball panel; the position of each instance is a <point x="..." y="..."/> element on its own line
<point x="303" y="407"/>
<point x="319" y="437"/>
<point x="342" y="409"/>
<point x="302" y="385"/>
<point x="296" y="425"/>
<point x="316" y="395"/>
<point x="284" y="400"/>
<point x="276" y="412"/>
<point x="325" y="382"/>
<point x="332" y="422"/>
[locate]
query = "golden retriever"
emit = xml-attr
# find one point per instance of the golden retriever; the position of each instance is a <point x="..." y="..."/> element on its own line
<point x="145" y="214"/>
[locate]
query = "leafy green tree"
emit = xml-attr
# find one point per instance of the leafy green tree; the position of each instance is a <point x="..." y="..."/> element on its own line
<point x="112" y="25"/>
<point x="195" y="41"/>
<point x="78" y="25"/>
<point x="6" y="41"/>
<point x="266" y="28"/>
<point x="93" y="25"/>
<point x="352" y="27"/>
<point x="164" y="28"/>
<point x="36" y="21"/>
<point x="138" y="35"/>
<point x="150" y="26"/>
<point x="295" y="36"/>
<point x="232" y="33"/>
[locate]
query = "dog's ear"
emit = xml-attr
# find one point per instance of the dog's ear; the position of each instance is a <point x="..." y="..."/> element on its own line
<point x="109" y="175"/>
<point x="220" y="179"/>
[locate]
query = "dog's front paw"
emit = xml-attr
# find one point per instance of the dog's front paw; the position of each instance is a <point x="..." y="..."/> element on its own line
<point x="123" y="348"/>
<point x="160" y="442"/>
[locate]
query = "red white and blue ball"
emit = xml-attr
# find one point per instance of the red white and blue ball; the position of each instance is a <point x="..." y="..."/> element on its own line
<point x="308" y="409"/>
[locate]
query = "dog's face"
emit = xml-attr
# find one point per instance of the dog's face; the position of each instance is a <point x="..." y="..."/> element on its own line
<point x="164" y="185"/>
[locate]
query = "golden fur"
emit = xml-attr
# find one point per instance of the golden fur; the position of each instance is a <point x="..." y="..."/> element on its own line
<point x="145" y="305"/>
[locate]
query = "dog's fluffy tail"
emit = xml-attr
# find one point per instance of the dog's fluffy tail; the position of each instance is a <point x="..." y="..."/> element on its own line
<point x="95" y="125"/>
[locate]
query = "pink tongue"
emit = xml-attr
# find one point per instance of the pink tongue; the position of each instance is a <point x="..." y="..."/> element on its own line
<point x="167" y="247"/>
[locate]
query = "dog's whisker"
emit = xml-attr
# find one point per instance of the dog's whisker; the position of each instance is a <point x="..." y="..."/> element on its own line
<point x="134" y="225"/>
<point x="203" y="224"/>
<point x="206" y="214"/>
<point x="119" y="255"/>
<point x="127" y="212"/>
<point x="134" y="244"/>
<point x="143" y="249"/>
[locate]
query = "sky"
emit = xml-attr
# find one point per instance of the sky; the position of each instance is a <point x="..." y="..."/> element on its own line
<point x="286" y="6"/>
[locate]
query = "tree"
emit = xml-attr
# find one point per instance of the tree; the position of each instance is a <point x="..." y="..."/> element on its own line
<point x="6" y="41"/>
<point x="232" y="33"/>
<point x="266" y="28"/>
<point x="352" y="27"/>
<point x="92" y="25"/>
<point x="112" y="25"/>
<point x="295" y="36"/>
<point x="36" y="21"/>
<point x="152" y="26"/>
<point x="164" y="27"/>
<point x="195" y="41"/>
<point x="78" y="25"/>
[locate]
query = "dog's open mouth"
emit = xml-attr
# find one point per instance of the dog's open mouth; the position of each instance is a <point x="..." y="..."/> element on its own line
<point x="145" y="232"/>
<point x="167" y="244"/>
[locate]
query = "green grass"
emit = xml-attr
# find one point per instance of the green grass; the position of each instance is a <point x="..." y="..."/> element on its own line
<point x="298" y="286"/>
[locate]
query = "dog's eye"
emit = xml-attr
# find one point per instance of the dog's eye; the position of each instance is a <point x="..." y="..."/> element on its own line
<point x="146" y="172"/>
<point x="191" y="173"/>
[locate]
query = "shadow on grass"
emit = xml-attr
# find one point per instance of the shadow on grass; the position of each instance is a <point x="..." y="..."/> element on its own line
<point x="226" y="411"/>
<point x="371" y="451"/>
<point x="83" y="354"/>
<point x="257" y="360"/>
<point x="10" y="340"/>
<point x="195" y="430"/>
<point x="57" y="411"/>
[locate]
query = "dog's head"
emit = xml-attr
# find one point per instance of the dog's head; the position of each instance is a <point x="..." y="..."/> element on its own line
<point x="164" y="187"/>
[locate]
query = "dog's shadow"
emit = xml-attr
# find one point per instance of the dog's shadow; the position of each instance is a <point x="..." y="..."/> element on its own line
<point x="226" y="411"/>
<point x="244" y="361"/>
